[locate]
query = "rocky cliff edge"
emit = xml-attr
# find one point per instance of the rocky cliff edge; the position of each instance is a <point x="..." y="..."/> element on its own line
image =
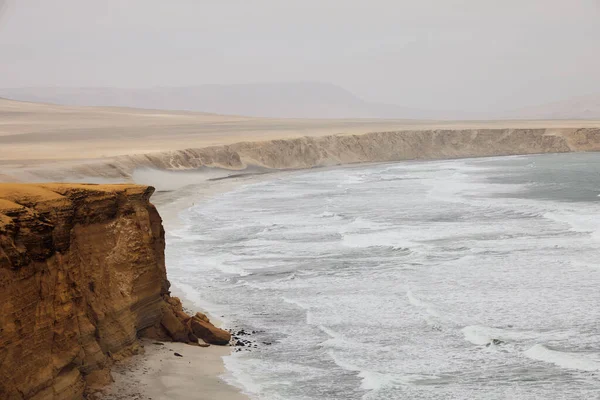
<point x="82" y="276"/>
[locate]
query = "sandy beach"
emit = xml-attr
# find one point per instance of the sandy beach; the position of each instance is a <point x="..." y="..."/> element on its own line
<point x="159" y="374"/>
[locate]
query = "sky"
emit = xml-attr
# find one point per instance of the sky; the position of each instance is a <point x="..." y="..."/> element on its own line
<point x="472" y="55"/>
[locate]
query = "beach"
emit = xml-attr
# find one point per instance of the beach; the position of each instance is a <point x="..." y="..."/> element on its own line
<point x="159" y="374"/>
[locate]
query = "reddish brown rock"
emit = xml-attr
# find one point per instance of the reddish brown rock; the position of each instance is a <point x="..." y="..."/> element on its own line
<point x="82" y="274"/>
<point x="208" y="332"/>
<point x="176" y="329"/>
<point x="202" y="317"/>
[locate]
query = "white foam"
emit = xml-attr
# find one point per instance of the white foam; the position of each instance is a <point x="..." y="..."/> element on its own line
<point x="481" y="335"/>
<point x="335" y="339"/>
<point x="184" y="236"/>
<point x="377" y="239"/>
<point x="360" y="223"/>
<point x="225" y="267"/>
<point x="189" y="293"/>
<point x="421" y="304"/>
<point x="296" y="303"/>
<point x="238" y="377"/>
<point x="579" y="221"/>
<point x="309" y="318"/>
<point x="352" y="180"/>
<point x="373" y="380"/>
<point x="578" y="361"/>
<point x="330" y="215"/>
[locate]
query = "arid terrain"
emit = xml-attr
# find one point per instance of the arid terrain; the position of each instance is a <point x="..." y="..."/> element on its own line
<point x="51" y="142"/>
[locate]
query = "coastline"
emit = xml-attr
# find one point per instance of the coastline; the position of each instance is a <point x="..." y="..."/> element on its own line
<point x="203" y="171"/>
<point x="157" y="373"/>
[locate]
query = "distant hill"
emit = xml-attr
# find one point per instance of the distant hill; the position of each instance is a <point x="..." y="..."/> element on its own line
<point x="278" y="100"/>
<point x="285" y="100"/>
<point x="582" y="107"/>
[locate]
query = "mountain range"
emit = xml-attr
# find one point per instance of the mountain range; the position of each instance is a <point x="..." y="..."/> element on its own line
<point x="284" y="100"/>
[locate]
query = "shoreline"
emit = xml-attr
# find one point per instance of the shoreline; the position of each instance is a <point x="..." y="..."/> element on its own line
<point x="159" y="374"/>
<point x="200" y="374"/>
<point x="214" y="373"/>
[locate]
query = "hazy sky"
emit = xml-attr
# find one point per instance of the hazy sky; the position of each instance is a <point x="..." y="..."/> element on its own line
<point x="430" y="54"/>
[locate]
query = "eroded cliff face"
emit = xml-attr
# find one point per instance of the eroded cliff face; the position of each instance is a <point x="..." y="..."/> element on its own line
<point x="309" y="152"/>
<point x="82" y="274"/>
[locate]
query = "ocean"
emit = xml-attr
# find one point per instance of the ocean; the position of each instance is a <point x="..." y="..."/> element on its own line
<point x="461" y="279"/>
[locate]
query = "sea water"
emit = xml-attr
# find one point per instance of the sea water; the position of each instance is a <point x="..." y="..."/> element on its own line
<point x="463" y="279"/>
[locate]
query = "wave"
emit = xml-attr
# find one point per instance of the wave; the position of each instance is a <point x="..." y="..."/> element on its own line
<point x="309" y="319"/>
<point x="583" y="264"/>
<point x="296" y="303"/>
<point x="331" y="215"/>
<point x="578" y="221"/>
<point x="389" y="239"/>
<point x="361" y="223"/>
<point x="483" y="335"/>
<point x="415" y="301"/>
<point x="373" y="381"/>
<point x="335" y="339"/>
<point x="224" y="266"/>
<point x="577" y="361"/>
<point x="236" y="376"/>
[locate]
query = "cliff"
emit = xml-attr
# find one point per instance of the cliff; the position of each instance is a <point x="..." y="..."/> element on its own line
<point x="82" y="276"/>
<point x="308" y="152"/>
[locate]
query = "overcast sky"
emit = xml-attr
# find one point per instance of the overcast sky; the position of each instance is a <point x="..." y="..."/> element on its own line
<point x="428" y="54"/>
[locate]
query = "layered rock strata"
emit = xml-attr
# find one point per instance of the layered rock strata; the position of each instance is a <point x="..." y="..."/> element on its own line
<point x="82" y="276"/>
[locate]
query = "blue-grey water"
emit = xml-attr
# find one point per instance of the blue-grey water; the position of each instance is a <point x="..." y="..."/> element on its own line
<point x="463" y="279"/>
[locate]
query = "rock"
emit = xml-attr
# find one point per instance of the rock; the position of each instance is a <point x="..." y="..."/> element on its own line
<point x="202" y="317"/>
<point x="495" y="342"/>
<point x="82" y="276"/>
<point x="182" y="316"/>
<point x="208" y="332"/>
<point x="177" y="355"/>
<point x="176" y="329"/>
<point x="193" y="339"/>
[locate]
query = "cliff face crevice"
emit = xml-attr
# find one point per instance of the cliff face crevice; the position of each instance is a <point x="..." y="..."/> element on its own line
<point x="82" y="275"/>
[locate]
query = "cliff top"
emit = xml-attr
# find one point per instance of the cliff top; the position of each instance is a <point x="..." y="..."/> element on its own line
<point x="39" y="132"/>
<point x="15" y="196"/>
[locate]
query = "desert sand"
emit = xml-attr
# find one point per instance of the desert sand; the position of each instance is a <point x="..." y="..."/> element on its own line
<point x="44" y="142"/>
<point x="35" y="131"/>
